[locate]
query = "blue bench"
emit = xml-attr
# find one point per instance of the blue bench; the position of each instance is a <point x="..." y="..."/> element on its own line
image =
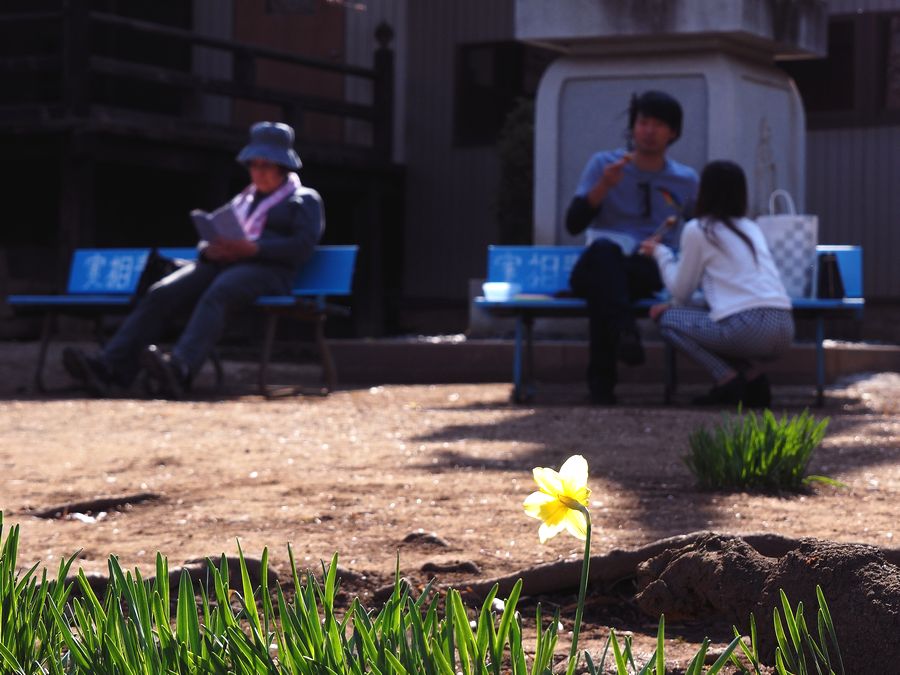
<point x="543" y="273"/>
<point x="102" y="282"/>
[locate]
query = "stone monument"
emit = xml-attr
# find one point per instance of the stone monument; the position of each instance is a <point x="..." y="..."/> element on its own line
<point x="716" y="58"/>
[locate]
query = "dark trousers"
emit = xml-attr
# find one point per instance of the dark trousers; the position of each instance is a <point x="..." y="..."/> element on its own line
<point x="207" y="292"/>
<point x="610" y="282"/>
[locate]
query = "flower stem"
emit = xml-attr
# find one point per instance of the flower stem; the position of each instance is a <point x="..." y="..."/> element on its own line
<point x="573" y="652"/>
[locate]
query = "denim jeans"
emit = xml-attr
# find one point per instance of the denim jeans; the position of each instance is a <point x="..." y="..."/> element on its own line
<point x="610" y="282"/>
<point x="205" y="291"/>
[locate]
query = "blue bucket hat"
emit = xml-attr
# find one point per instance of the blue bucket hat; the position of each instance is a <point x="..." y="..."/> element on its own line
<point x="273" y="142"/>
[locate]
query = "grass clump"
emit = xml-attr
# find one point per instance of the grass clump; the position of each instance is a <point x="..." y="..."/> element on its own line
<point x="142" y="626"/>
<point x="757" y="452"/>
<point x="798" y="649"/>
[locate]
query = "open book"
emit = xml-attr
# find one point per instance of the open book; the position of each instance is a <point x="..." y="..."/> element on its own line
<point x="220" y="224"/>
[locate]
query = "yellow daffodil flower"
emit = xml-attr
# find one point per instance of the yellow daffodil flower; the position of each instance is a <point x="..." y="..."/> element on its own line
<point x="561" y="500"/>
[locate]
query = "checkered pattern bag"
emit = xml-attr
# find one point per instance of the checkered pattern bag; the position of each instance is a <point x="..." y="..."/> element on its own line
<point x="792" y="239"/>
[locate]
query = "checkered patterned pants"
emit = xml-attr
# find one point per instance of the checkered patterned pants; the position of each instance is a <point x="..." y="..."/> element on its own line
<point x="731" y="344"/>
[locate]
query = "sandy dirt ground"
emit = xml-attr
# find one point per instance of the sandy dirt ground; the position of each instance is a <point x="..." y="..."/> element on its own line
<point x="360" y="471"/>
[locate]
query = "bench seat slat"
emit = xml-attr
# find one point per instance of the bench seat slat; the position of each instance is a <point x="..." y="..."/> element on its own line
<point x="47" y="301"/>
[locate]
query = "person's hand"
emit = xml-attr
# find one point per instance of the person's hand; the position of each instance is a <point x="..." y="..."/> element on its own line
<point x="648" y="246"/>
<point x="230" y="250"/>
<point x="658" y="310"/>
<point x="612" y="175"/>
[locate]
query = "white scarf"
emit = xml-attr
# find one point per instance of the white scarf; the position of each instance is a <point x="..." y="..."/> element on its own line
<point x="254" y="223"/>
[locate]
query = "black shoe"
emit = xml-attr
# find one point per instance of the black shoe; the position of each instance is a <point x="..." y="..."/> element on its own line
<point x="629" y="350"/>
<point x="758" y="393"/>
<point x="732" y="392"/>
<point x="603" y="399"/>
<point x="170" y="376"/>
<point x="601" y="393"/>
<point x="90" y="371"/>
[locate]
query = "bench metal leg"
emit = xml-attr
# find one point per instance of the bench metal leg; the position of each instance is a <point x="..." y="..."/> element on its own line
<point x="523" y="360"/>
<point x="820" y="361"/>
<point x="216" y="362"/>
<point x="47" y="327"/>
<point x="671" y="373"/>
<point x="329" y="372"/>
<point x="268" y="339"/>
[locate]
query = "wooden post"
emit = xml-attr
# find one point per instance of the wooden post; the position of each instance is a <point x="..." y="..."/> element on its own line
<point x="244" y="67"/>
<point x="76" y="204"/>
<point x="368" y="313"/>
<point x="383" y="96"/>
<point x="76" y="58"/>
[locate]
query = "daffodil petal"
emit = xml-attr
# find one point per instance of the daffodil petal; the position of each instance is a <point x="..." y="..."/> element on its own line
<point x="580" y="495"/>
<point x="574" y="471"/>
<point x="547" y="531"/>
<point x="552" y="512"/>
<point x="535" y="502"/>
<point x="548" y="480"/>
<point x="574" y="474"/>
<point x="576" y="524"/>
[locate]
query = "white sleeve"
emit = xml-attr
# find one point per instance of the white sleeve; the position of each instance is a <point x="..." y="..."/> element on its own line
<point x="682" y="277"/>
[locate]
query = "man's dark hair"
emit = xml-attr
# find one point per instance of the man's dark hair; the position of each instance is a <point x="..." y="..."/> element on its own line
<point x="656" y="104"/>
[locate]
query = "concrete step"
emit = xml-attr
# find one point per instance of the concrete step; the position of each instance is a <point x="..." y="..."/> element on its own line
<point x="457" y="359"/>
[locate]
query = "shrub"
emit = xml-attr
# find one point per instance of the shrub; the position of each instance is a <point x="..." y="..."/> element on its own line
<point x="748" y="451"/>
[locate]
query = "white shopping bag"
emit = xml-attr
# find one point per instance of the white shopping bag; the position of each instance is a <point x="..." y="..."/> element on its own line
<point x="792" y="239"/>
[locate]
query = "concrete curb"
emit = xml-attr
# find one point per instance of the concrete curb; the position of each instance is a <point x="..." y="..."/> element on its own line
<point x="456" y="359"/>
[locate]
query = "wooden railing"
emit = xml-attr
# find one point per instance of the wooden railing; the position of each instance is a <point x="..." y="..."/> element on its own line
<point x="76" y="70"/>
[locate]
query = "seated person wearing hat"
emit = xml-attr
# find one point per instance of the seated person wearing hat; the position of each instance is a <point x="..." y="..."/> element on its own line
<point x="282" y="220"/>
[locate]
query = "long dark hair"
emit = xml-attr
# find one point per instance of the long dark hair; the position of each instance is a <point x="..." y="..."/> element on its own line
<point x="723" y="197"/>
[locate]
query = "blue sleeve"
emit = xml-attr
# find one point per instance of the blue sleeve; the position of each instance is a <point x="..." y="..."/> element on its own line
<point x="591" y="173"/>
<point x="295" y="244"/>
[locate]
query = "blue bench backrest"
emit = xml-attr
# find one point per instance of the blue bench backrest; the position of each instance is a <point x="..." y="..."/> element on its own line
<point x="538" y="269"/>
<point x="328" y="272"/>
<point x="182" y="252"/>
<point x="114" y="271"/>
<point x="546" y="269"/>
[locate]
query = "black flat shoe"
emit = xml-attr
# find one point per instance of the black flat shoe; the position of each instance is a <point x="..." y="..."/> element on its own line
<point x="170" y="378"/>
<point x="732" y="392"/>
<point x="602" y="391"/>
<point x="758" y="393"/>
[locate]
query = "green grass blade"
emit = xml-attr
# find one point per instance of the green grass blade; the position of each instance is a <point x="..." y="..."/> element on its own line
<point x="829" y="625"/>
<point x="724" y="658"/>
<point x="618" y="656"/>
<point x="661" y="645"/>
<point x="506" y="620"/>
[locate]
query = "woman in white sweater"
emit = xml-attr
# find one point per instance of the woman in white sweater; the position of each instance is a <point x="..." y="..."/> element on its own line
<point x="749" y="314"/>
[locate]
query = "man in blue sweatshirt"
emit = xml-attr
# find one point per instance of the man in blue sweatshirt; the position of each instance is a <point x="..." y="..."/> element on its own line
<point x="623" y="197"/>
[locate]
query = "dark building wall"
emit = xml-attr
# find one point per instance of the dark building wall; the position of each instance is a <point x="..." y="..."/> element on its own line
<point x="852" y="103"/>
<point x="450" y="188"/>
